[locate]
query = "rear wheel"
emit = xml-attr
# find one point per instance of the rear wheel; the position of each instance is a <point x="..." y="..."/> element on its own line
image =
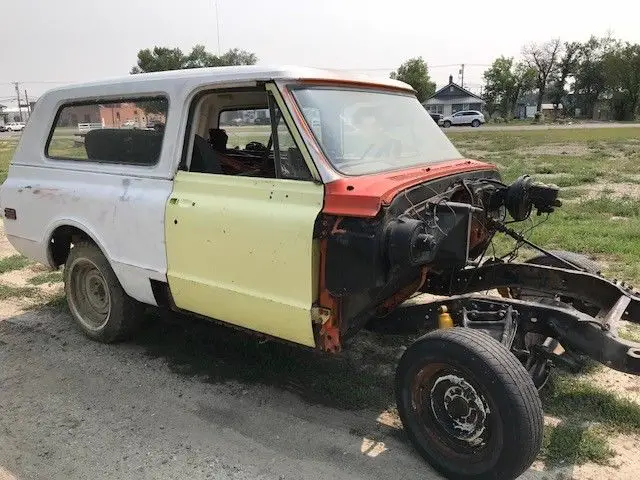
<point x="468" y="405"/>
<point x="475" y="123"/>
<point x="96" y="299"/>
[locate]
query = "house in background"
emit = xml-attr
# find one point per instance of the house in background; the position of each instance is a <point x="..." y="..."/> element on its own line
<point x="453" y="98"/>
<point x="527" y="106"/>
<point x="15" y="114"/>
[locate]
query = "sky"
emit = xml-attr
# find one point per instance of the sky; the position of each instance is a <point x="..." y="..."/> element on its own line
<point x="51" y="42"/>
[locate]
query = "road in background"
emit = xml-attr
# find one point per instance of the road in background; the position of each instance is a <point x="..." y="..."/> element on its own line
<point x="566" y="126"/>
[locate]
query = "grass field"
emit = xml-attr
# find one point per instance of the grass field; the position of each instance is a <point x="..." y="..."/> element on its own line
<point x="598" y="171"/>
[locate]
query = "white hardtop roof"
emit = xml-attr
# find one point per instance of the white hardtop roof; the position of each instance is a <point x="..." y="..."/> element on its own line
<point x="244" y="73"/>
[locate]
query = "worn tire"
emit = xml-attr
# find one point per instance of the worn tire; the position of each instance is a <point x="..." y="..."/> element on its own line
<point x="577" y="259"/>
<point x="513" y="418"/>
<point x="122" y="314"/>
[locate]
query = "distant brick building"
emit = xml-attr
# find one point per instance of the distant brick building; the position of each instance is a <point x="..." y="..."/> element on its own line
<point x="117" y="114"/>
<point x="71" y="117"/>
<point x="109" y="115"/>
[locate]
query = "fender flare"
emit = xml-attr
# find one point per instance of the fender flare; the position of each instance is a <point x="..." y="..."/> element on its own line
<point x="62" y="222"/>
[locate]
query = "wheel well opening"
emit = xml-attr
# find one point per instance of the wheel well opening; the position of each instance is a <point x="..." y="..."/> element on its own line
<point x="60" y="243"/>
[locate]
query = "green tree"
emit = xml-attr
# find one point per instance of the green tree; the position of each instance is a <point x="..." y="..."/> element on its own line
<point x="505" y="81"/>
<point x="590" y="75"/>
<point x="543" y="57"/>
<point x="415" y="72"/>
<point x="623" y="77"/>
<point x="160" y="59"/>
<point x="567" y="67"/>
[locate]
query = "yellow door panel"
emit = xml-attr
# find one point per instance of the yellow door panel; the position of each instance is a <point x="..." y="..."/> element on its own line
<point x="240" y="250"/>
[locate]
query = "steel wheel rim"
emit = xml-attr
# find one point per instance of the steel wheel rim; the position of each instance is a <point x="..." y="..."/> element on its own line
<point x="429" y="388"/>
<point x="89" y="295"/>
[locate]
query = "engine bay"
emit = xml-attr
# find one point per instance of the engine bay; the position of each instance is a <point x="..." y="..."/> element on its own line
<point x="455" y="227"/>
<point x="446" y="223"/>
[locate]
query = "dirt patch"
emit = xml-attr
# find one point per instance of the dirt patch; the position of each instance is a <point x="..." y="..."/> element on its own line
<point x="553" y="177"/>
<point x="611" y="190"/>
<point x="573" y="149"/>
<point x="20" y="279"/>
<point x="16" y="278"/>
<point x="624" y="465"/>
<point x="6" y="249"/>
<point x="622" y="384"/>
<point x="11" y="307"/>
<point x="476" y="154"/>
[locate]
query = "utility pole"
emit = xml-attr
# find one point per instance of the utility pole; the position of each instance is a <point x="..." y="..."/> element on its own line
<point x="26" y="100"/>
<point x="17" y="85"/>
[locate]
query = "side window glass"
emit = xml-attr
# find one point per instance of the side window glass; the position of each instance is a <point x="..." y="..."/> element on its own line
<point x="125" y="131"/>
<point x="246" y="129"/>
<point x="292" y="164"/>
<point x="246" y="141"/>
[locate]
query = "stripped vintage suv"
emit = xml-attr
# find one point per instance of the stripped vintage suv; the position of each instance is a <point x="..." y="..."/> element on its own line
<point x="303" y="205"/>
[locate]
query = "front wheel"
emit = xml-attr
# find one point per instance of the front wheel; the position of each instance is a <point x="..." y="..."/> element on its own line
<point x="469" y="406"/>
<point x="446" y="124"/>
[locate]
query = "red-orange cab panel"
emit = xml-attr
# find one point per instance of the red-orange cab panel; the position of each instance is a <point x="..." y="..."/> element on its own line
<point x="364" y="196"/>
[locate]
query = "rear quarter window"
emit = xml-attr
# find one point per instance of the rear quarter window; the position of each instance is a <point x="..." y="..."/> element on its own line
<point x="127" y="131"/>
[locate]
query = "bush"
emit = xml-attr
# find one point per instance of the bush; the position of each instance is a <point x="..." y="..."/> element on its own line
<point x="538" y="117"/>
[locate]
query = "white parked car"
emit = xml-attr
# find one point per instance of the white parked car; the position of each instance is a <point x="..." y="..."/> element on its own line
<point x="306" y="232"/>
<point x="465" y="117"/>
<point x="15" y="126"/>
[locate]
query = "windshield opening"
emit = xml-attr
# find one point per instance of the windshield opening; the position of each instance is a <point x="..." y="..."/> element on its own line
<point x="370" y="131"/>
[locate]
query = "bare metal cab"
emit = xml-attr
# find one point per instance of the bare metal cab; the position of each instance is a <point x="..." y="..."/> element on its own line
<point x="304" y="205"/>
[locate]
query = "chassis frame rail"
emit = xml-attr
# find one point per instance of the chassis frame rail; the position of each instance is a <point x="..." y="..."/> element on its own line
<point x="595" y="336"/>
